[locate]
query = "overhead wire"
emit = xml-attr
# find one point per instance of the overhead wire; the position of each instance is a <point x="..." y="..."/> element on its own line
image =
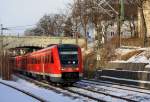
<point x="22" y="26"/>
<point x="18" y="27"/>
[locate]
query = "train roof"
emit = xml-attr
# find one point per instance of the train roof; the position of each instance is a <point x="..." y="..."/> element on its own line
<point x="60" y="46"/>
<point x="57" y="45"/>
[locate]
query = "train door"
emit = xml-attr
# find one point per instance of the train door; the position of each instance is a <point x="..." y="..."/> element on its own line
<point x="42" y="65"/>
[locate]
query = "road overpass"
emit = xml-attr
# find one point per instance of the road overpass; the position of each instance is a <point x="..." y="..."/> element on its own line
<point x="10" y="42"/>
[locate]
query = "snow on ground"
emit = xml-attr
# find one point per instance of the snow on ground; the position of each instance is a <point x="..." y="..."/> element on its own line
<point x="122" y="51"/>
<point x="46" y="94"/>
<point x="8" y="94"/>
<point x="117" y="90"/>
<point x="143" y="57"/>
<point x="126" y="49"/>
<point x="139" y="59"/>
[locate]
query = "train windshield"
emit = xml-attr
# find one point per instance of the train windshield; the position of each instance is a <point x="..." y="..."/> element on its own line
<point x="68" y="55"/>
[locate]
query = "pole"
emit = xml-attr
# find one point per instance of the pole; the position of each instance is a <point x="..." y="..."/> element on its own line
<point x="1" y="29"/>
<point x="1" y="50"/>
<point x="1" y="36"/>
<point x="122" y="9"/>
<point x="118" y="25"/>
<point x="4" y="65"/>
<point x="120" y="18"/>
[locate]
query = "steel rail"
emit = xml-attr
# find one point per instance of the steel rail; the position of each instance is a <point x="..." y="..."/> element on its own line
<point x="114" y="96"/>
<point x="107" y="85"/>
<point x="52" y="87"/>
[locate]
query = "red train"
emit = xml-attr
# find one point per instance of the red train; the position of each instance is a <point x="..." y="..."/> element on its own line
<point x="60" y="63"/>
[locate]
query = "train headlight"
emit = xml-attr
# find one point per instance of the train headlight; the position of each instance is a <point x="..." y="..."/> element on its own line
<point x="69" y="62"/>
<point x="77" y="68"/>
<point x="81" y="74"/>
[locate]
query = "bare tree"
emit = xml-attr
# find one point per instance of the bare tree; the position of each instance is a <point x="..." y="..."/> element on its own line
<point x="59" y="23"/>
<point x="140" y="4"/>
<point x="68" y="30"/>
<point x="49" y="25"/>
<point x="91" y="11"/>
<point x="80" y="12"/>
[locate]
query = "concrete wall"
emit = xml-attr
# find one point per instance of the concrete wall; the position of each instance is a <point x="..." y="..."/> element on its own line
<point x="127" y="66"/>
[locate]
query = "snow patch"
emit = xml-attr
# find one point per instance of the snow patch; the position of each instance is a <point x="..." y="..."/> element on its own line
<point x="46" y="94"/>
<point x="143" y="57"/>
<point x="139" y="59"/>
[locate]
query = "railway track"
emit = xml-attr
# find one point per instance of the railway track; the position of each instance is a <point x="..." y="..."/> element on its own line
<point x="87" y="92"/>
<point x="114" y="83"/>
<point x="125" y="93"/>
<point x="59" y="89"/>
<point x="117" y="98"/>
<point x="117" y="85"/>
<point x="101" y="97"/>
<point x="25" y="92"/>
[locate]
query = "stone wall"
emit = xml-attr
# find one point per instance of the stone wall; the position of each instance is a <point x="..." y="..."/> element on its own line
<point x="127" y="66"/>
<point x="40" y="41"/>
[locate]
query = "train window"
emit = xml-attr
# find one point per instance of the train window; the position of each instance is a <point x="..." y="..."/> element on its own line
<point x="38" y="60"/>
<point x="49" y="59"/>
<point x="35" y="61"/>
<point x="43" y="59"/>
<point x="52" y="58"/>
<point x="32" y="60"/>
<point x="69" y="58"/>
<point x="28" y="60"/>
<point x="46" y="58"/>
<point x="25" y="62"/>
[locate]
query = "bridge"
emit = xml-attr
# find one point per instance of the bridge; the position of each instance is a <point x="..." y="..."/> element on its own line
<point x="20" y="45"/>
<point x="10" y="42"/>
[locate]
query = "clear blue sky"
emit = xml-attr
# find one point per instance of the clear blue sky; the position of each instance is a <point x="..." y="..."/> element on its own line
<point x="27" y="12"/>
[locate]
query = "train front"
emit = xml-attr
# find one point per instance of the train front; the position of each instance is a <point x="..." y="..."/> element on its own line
<point x="71" y="62"/>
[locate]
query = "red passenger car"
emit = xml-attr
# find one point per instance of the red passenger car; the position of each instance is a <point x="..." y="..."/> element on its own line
<point x="58" y="63"/>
